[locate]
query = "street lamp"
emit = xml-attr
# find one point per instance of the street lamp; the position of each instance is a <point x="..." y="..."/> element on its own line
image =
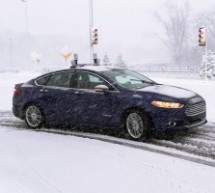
<point x="11" y="53"/>
<point x="26" y="31"/>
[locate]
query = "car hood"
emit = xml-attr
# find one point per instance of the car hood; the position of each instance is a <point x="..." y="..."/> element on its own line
<point x="169" y="91"/>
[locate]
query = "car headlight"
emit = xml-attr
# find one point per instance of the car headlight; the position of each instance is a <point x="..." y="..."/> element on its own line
<point x="168" y="105"/>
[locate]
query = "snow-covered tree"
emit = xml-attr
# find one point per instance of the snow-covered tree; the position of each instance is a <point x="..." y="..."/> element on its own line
<point x="207" y="68"/>
<point x="120" y="62"/>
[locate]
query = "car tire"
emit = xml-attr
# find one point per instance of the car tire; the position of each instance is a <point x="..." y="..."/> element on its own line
<point x="34" y="117"/>
<point x="137" y="125"/>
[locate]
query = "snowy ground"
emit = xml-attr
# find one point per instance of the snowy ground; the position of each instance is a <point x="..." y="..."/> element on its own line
<point x="34" y="162"/>
<point x="38" y="162"/>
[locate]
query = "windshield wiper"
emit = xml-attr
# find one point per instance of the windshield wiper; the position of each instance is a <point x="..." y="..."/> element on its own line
<point x="144" y="81"/>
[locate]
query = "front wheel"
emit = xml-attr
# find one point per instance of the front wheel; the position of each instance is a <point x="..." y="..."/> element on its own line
<point x="137" y="125"/>
<point x="34" y="117"/>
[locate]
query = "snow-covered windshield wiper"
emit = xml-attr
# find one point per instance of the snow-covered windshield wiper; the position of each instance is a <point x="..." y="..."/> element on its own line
<point x="144" y="81"/>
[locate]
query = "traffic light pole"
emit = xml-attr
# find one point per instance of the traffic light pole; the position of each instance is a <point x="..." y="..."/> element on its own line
<point x="90" y="27"/>
<point x="206" y="52"/>
<point x="205" y="62"/>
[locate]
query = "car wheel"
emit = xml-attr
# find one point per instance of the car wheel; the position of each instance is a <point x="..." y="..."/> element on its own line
<point x="33" y="116"/>
<point x="137" y="125"/>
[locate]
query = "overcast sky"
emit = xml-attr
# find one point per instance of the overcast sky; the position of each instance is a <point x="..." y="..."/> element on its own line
<point x="125" y="26"/>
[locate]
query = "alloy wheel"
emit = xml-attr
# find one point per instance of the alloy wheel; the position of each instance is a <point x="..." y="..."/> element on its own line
<point x="33" y="116"/>
<point x="135" y="125"/>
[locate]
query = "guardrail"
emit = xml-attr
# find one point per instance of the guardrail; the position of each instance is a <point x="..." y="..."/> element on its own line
<point x="173" y="74"/>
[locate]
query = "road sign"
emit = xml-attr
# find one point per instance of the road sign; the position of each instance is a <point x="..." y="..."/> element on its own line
<point x="66" y="52"/>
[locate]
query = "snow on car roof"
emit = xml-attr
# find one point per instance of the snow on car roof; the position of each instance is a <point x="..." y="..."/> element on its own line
<point x="95" y="68"/>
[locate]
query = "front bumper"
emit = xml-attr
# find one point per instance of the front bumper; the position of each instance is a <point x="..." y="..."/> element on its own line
<point x="178" y="121"/>
<point x="196" y="124"/>
<point x="183" y="127"/>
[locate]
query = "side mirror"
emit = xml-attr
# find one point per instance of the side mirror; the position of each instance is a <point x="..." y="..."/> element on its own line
<point x="101" y="88"/>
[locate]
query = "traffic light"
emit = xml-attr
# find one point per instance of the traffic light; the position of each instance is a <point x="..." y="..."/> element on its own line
<point x="94" y="35"/>
<point x="202" y="36"/>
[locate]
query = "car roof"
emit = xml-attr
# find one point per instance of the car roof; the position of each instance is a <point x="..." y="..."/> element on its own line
<point x="84" y="67"/>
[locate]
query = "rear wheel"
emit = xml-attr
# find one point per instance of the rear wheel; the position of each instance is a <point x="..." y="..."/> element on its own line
<point x="137" y="125"/>
<point x="33" y="116"/>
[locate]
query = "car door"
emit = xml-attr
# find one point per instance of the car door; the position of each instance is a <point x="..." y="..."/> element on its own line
<point x="58" y="98"/>
<point x="95" y="108"/>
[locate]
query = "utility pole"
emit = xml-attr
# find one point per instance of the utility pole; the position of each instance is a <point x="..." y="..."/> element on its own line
<point x="27" y="34"/>
<point x="11" y="53"/>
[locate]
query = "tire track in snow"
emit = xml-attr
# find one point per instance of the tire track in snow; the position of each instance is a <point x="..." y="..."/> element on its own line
<point x="185" y="147"/>
<point x="203" y="137"/>
<point x="146" y="146"/>
<point x="196" y="147"/>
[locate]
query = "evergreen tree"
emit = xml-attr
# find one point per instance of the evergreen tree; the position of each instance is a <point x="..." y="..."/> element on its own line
<point x="120" y="62"/>
<point x="105" y="60"/>
<point x="207" y="68"/>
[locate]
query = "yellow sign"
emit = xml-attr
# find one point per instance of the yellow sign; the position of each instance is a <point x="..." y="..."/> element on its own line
<point x="66" y="56"/>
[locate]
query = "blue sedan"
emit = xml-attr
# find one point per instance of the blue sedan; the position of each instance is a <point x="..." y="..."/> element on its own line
<point x="118" y="99"/>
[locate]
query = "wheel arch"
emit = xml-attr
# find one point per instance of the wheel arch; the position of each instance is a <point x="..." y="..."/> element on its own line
<point x="31" y="103"/>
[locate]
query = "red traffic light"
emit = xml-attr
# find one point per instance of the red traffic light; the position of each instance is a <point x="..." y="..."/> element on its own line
<point x="95" y="30"/>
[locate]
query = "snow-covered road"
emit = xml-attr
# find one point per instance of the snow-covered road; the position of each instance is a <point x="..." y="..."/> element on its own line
<point x="44" y="162"/>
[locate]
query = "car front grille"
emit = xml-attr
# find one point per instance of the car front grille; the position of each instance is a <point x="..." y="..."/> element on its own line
<point x="195" y="109"/>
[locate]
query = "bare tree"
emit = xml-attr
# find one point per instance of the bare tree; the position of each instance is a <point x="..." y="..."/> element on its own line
<point x="210" y="24"/>
<point x="175" y="23"/>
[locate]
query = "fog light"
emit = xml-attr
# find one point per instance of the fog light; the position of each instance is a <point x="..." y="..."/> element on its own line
<point x="172" y="123"/>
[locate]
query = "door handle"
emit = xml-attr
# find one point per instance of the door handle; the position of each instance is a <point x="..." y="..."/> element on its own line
<point x="79" y="92"/>
<point x="43" y="90"/>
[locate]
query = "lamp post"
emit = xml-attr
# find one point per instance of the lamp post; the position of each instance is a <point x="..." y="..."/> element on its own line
<point x="11" y="53"/>
<point x="26" y="31"/>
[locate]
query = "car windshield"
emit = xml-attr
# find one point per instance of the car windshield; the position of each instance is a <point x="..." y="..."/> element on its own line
<point x="129" y="79"/>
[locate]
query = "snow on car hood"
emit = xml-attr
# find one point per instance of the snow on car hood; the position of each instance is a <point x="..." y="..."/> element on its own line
<point x="169" y="91"/>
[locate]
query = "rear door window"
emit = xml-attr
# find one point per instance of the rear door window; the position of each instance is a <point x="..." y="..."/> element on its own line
<point x="60" y="79"/>
<point x="42" y="81"/>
